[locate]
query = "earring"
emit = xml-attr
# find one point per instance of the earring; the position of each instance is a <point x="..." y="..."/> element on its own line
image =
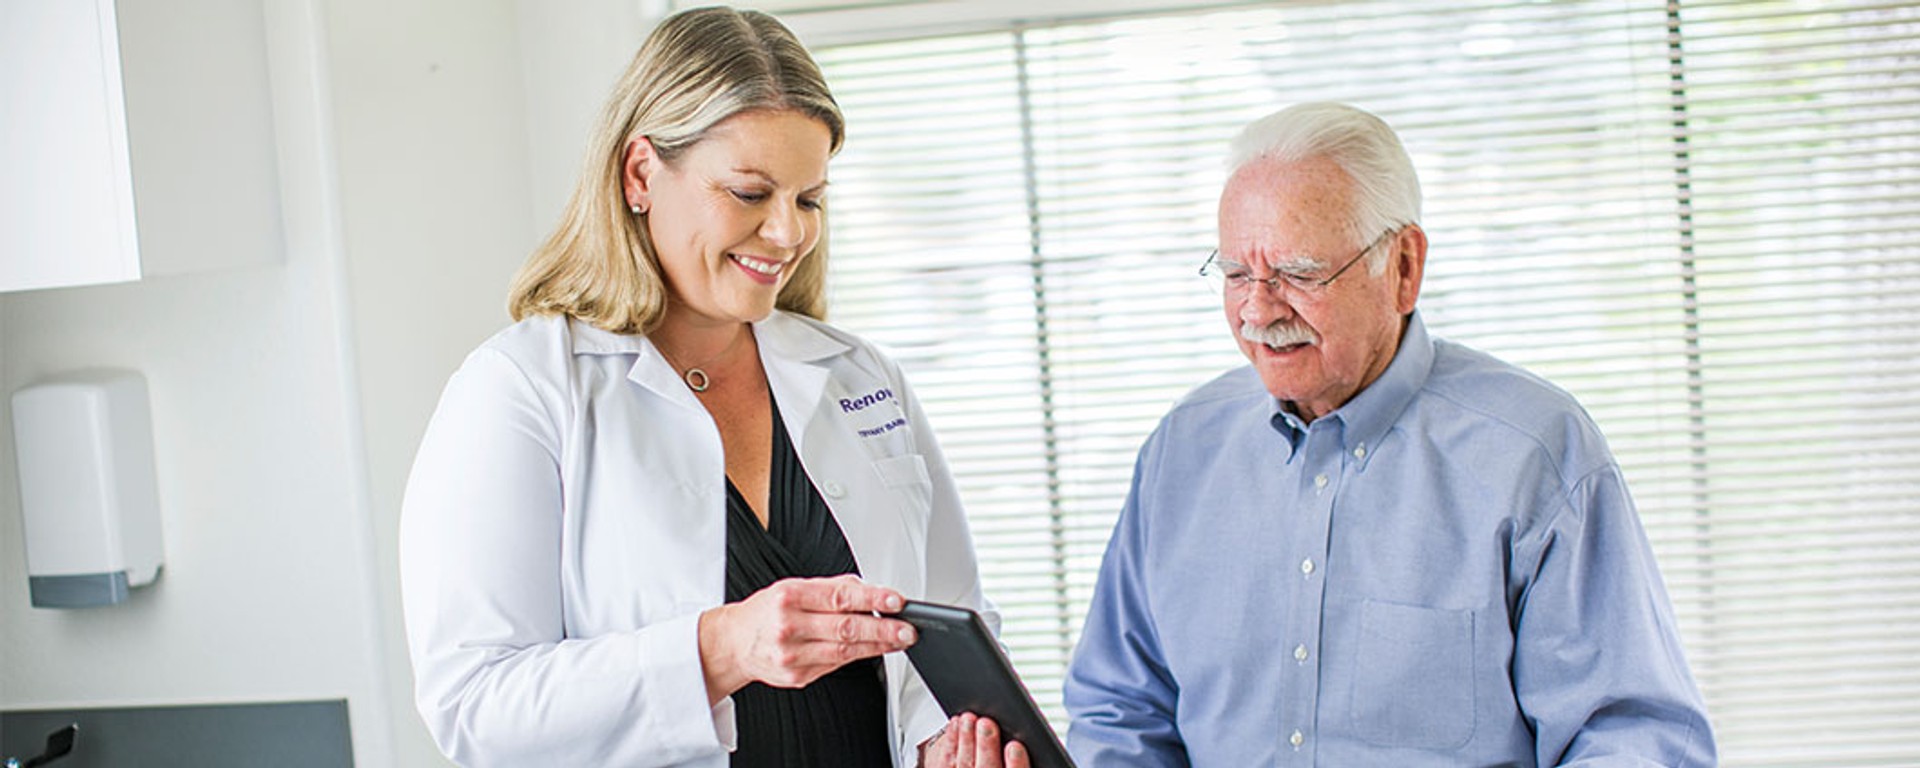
<point x="635" y="209"/>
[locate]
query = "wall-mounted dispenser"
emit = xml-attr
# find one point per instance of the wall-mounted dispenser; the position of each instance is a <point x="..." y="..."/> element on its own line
<point x="84" y="447"/>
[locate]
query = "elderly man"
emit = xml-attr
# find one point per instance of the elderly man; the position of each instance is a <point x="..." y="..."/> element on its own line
<point x="1371" y="547"/>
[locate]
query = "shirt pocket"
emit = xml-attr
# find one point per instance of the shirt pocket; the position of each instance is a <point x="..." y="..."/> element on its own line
<point x="907" y="481"/>
<point x="1412" y="676"/>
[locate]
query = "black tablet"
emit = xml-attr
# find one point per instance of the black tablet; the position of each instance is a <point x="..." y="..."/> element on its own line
<point x="965" y="670"/>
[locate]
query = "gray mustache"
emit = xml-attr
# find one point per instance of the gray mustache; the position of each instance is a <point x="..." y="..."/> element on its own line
<point x="1278" y="334"/>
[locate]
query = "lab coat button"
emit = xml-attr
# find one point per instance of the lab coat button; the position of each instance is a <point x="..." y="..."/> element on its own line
<point x="833" y="489"/>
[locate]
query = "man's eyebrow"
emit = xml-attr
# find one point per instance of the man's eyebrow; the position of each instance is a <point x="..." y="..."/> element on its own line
<point x="1289" y="263"/>
<point x="1296" y="263"/>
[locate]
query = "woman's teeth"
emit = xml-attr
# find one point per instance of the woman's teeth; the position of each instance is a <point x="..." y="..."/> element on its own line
<point x="757" y="265"/>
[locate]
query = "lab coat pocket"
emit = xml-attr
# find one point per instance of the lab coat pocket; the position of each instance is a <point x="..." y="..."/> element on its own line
<point x="912" y="489"/>
<point x="1413" y="683"/>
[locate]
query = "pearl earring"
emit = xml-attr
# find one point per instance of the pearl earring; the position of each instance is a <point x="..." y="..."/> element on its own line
<point x="635" y="209"/>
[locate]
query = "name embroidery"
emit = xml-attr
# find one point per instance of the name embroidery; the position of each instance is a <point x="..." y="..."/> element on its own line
<point x="862" y="403"/>
<point x="884" y="428"/>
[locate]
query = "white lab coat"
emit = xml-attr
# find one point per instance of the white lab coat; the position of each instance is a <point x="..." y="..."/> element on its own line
<point x="565" y="525"/>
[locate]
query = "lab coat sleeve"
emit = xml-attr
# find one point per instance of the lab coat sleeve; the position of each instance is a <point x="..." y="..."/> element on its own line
<point x="953" y="570"/>
<point x="496" y="678"/>
<point x="1119" y="691"/>
<point x="1598" y="666"/>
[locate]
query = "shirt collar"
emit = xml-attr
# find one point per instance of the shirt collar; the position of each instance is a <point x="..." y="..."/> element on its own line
<point x="1287" y="424"/>
<point x="1368" y="415"/>
<point x="1372" y="412"/>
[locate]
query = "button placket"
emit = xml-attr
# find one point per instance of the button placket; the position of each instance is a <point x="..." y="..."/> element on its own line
<point x="1325" y="458"/>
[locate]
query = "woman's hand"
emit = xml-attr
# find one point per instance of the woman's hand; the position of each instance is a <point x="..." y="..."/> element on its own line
<point x="972" y="742"/>
<point x="797" y="630"/>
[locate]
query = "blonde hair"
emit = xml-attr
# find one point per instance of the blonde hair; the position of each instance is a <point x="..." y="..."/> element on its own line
<point x="698" y="68"/>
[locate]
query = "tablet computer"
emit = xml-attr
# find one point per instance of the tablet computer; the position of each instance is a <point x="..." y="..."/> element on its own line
<point x="966" y="672"/>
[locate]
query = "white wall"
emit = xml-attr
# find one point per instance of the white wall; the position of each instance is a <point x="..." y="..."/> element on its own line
<point x="269" y="575"/>
<point x="433" y="176"/>
<point x="573" y="51"/>
<point x="425" y="147"/>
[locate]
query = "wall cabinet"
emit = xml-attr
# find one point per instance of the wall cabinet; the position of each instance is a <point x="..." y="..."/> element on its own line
<point x="136" y="139"/>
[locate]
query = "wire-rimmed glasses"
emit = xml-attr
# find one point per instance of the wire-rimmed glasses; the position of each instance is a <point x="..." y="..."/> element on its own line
<point x="1237" y="279"/>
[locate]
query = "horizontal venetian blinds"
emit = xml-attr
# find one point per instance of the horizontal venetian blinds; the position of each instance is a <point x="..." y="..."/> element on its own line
<point x="1798" y="133"/>
<point x="1703" y="220"/>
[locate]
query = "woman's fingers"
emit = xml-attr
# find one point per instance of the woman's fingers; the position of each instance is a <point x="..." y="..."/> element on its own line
<point x="797" y="630"/>
<point x="839" y="610"/>
<point x="854" y="628"/>
<point x="840" y="594"/>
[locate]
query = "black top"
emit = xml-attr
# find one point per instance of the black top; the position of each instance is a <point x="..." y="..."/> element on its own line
<point x="839" y="720"/>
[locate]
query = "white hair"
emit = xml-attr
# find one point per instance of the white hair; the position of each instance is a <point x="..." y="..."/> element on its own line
<point x="1386" y="189"/>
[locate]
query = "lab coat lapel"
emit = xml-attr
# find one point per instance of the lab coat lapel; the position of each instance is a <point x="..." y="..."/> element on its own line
<point x="649" y="454"/>
<point x="652" y="371"/>
<point x="807" y="370"/>
<point x="796" y="358"/>
<point x="650" y="368"/>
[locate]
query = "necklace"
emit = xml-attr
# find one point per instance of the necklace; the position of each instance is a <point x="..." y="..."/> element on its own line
<point x="696" y="378"/>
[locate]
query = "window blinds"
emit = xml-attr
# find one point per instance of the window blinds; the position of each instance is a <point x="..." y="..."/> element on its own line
<point x="1703" y="219"/>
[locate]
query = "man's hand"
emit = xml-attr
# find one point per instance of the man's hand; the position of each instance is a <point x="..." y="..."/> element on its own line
<point x="972" y="742"/>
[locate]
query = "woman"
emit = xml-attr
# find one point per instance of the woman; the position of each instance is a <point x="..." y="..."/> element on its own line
<point x="649" y="522"/>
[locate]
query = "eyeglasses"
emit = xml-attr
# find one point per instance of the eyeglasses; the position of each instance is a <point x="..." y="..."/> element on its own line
<point x="1237" y="278"/>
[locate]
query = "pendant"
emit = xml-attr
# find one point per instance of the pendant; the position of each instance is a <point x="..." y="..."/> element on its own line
<point x="697" y="379"/>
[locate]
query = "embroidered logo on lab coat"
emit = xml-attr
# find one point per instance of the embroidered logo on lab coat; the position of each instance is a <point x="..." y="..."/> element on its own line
<point x="854" y="405"/>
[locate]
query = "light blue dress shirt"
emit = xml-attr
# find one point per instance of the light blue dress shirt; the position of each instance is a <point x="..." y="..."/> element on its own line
<point x="1445" y="571"/>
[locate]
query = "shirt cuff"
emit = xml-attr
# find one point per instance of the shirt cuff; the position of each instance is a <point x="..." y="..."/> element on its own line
<point x="920" y="719"/>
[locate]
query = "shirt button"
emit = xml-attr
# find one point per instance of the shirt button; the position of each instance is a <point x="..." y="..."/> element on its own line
<point x="1296" y="739"/>
<point x="1360" y="452"/>
<point x="1320" y="481"/>
<point x="833" y="489"/>
<point x="1306" y="567"/>
<point x="1299" y="653"/>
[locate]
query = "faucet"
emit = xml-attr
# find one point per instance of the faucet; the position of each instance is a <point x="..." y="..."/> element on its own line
<point x="59" y="743"/>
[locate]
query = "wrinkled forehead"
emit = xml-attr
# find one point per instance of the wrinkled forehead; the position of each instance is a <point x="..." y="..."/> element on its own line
<point x="1274" y="212"/>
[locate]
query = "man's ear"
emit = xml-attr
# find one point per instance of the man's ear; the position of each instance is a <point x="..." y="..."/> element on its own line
<point x="1410" y="262"/>
<point x="638" y="164"/>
